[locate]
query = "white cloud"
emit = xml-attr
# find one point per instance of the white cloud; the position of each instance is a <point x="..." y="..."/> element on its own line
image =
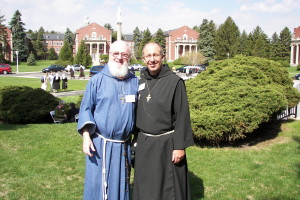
<point x="271" y="6"/>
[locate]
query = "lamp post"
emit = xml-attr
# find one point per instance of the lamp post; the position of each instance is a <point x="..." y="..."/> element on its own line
<point x="17" y="53"/>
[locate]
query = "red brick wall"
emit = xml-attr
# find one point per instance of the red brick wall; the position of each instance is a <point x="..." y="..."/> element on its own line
<point x="297" y="32"/>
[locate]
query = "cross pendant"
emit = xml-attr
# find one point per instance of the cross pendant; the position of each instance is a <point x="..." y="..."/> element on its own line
<point x="148" y="97"/>
<point x="122" y="99"/>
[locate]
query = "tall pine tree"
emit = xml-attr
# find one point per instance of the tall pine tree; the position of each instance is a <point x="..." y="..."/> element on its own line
<point x="260" y="43"/>
<point x="137" y="38"/>
<point x="227" y="39"/>
<point x="285" y="39"/>
<point x="275" y="47"/>
<point x="206" y="40"/>
<point x="19" y="36"/>
<point x="146" y="38"/>
<point x="3" y="41"/>
<point x="160" y="39"/>
<point x="242" y="43"/>
<point x="82" y="56"/>
<point x="65" y="53"/>
<point x="69" y="36"/>
<point x="41" y="50"/>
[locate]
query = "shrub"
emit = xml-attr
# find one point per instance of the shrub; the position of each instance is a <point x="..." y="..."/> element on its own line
<point x="22" y="104"/>
<point x="31" y="60"/>
<point x="177" y="61"/>
<point x="233" y="97"/>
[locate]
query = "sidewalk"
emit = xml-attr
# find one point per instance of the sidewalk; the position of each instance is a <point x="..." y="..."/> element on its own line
<point x="68" y="93"/>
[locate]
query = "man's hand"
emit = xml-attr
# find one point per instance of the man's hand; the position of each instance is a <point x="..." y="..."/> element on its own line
<point x="87" y="144"/>
<point x="177" y="156"/>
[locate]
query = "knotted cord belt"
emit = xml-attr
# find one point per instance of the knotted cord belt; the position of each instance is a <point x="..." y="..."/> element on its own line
<point x="104" y="181"/>
<point x="151" y="135"/>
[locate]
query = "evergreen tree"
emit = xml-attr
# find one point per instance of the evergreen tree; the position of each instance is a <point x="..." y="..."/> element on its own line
<point x="260" y="43"/>
<point x="82" y="56"/>
<point x="69" y="36"/>
<point x="206" y="40"/>
<point x="285" y="39"/>
<point x="31" y="60"/>
<point x="137" y="38"/>
<point x="52" y="55"/>
<point x="242" y="43"/>
<point x="108" y="26"/>
<point x="227" y="39"/>
<point x="19" y="36"/>
<point x="3" y="41"/>
<point x="66" y="53"/>
<point x="196" y="28"/>
<point x="275" y="47"/>
<point x="160" y="39"/>
<point x="41" y="51"/>
<point x="146" y="38"/>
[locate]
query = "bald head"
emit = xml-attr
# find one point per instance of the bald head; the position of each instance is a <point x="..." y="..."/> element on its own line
<point x="120" y="46"/>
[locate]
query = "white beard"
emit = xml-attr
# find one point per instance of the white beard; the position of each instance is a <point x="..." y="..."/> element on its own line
<point x="118" y="70"/>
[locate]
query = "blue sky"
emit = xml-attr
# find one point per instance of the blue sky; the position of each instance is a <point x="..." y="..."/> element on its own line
<point x="271" y="15"/>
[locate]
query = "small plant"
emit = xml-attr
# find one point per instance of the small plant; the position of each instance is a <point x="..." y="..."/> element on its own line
<point x="31" y="60"/>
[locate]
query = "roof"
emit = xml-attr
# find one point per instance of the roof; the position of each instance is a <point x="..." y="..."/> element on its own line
<point x="53" y="36"/>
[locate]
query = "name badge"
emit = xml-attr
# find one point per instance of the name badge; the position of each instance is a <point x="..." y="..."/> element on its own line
<point x="130" y="98"/>
<point x="142" y="86"/>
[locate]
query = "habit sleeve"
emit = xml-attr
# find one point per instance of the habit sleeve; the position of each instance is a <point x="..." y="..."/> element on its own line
<point x="183" y="136"/>
<point x="86" y="113"/>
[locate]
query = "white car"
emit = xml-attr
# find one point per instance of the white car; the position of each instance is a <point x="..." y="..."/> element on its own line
<point x="75" y="67"/>
<point x="136" y="67"/>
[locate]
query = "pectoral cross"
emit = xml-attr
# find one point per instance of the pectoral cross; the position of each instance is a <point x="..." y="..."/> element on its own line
<point x="122" y="98"/>
<point x="148" y="97"/>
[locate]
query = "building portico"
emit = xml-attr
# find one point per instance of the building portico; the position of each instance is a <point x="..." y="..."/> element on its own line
<point x="295" y="48"/>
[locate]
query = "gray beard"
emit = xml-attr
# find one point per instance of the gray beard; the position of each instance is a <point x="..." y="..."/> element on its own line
<point x="118" y="71"/>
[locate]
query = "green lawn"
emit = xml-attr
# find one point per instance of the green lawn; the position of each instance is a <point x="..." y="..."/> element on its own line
<point x="40" y="64"/>
<point x="44" y="161"/>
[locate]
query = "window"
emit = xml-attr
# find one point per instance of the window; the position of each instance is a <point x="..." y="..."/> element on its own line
<point x="94" y="35"/>
<point x="185" y="37"/>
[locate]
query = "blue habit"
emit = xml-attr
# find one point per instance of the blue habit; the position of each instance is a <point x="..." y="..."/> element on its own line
<point x="108" y="110"/>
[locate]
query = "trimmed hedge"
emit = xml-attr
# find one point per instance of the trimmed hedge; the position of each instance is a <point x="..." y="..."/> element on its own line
<point x="21" y="105"/>
<point x="233" y="97"/>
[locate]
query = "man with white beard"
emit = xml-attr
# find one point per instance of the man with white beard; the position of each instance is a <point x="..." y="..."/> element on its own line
<point x="106" y="121"/>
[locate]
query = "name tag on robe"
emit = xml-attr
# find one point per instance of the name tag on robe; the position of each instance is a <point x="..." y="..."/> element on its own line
<point x="142" y="86"/>
<point x="130" y="98"/>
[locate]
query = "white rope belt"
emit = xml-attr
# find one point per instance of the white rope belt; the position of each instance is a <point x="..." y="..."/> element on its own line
<point x="151" y="135"/>
<point x="104" y="181"/>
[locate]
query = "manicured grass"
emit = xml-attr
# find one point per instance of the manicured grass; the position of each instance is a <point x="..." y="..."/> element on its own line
<point x="40" y="64"/>
<point x="44" y="161"/>
<point x="73" y="84"/>
<point x="293" y="70"/>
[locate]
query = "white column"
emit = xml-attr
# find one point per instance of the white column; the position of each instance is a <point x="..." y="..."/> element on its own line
<point x="170" y="50"/>
<point x="297" y="54"/>
<point x="292" y="55"/>
<point x="90" y="48"/>
<point x="104" y="46"/>
<point x="183" y="52"/>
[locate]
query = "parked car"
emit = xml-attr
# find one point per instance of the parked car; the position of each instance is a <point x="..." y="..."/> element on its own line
<point x="96" y="69"/>
<point x="75" y="67"/>
<point x="136" y="67"/>
<point x="53" y="68"/>
<point x="297" y="77"/>
<point x="202" y="67"/>
<point x="5" y="69"/>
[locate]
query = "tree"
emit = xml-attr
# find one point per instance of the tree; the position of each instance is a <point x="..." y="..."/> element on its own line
<point x="196" y="28"/>
<point x="52" y="55"/>
<point x="275" y="47"/>
<point x="82" y="56"/>
<point x="260" y="43"/>
<point x="3" y="33"/>
<point x="285" y="39"/>
<point x="3" y="41"/>
<point x="19" y="36"/>
<point x="206" y="39"/>
<point x="137" y="38"/>
<point x="41" y="50"/>
<point x="193" y="58"/>
<point x="227" y="39"/>
<point x="69" y="36"/>
<point x="31" y="60"/>
<point x="108" y="26"/>
<point x="242" y="43"/>
<point x="66" y="53"/>
<point x="159" y="38"/>
<point x="146" y="38"/>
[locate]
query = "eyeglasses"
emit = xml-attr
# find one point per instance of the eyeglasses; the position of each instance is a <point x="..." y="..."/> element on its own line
<point x="117" y="54"/>
<point x="155" y="56"/>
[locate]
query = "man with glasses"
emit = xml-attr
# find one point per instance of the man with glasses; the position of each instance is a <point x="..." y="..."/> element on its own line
<point x="165" y="132"/>
<point x="106" y="120"/>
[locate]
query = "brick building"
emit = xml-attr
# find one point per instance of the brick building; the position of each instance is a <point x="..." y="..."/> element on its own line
<point x="7" y="51"/>
<point x="180" y="41"/>
<point x="295" y="47"/>
<point x="97" y="39"/>
<point x="55" y="40"/>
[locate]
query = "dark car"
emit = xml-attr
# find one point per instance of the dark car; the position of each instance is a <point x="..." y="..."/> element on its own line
<point x="5" y="69"/>
<point x="53" y="68"/>
<point x="96" y="69"/>
<point x="297" y="77"/>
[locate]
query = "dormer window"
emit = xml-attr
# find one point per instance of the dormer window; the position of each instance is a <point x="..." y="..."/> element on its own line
<point x="94" y="35"/>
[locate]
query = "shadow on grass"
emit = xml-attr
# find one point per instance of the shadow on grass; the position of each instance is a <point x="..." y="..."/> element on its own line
<point x="196" y="186"/>
<point x="297" y="139"/>
<point x="265" y="132"/>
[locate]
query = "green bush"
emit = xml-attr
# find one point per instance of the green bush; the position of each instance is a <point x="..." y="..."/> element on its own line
<point x="22" y="105"/>
<point x="233" y="97"/>
<point x="177" y="61"/>
<point x="31" y="60"/>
